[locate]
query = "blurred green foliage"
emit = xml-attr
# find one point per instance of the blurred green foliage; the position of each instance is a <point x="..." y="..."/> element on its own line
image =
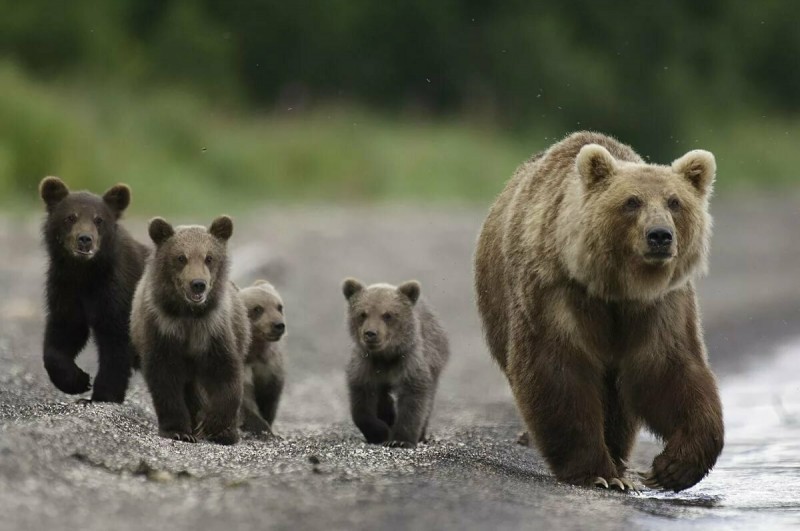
<point x="350" y="99"/>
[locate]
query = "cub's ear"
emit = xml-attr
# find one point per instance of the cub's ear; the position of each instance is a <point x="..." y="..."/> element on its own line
<point x="350" y="287"/>
<point x="221" y="228"/>
<point x="410" y="289"/>
<point x="594" y="163"/>
<point x="118" y="197"/>
<point x="699" y="167"/>
<point x="159" y="230"/>
<point x="264" y="284"/>
<point x="52" y="190"/>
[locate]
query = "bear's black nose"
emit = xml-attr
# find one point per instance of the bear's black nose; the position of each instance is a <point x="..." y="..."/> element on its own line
<point x="85" y="240"/>
<point x="198" y="286"/>
<point x="278" y="327"/>
<point x="659" y="237"/>
<point x="370" y="335"/>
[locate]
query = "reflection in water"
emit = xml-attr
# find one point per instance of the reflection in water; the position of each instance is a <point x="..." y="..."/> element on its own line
<point x="757" y="479"/>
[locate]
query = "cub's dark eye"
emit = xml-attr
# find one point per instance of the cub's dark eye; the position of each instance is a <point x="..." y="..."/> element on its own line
<point x="182" y="259"/>
<point x="72" y="218"/>
<point x="209" y="259"/>
<point x="258" y="310"/>
<point x="674" y="203"/>
<point x="386" y="317"/>
<point x="98" y="221"/>
<point x="632" y="204"/>
<point x="280" y="308"/>
<point x="363" y="315"/>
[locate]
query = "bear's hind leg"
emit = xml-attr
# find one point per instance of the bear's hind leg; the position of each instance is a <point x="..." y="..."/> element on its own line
<point x="63" y="341"/>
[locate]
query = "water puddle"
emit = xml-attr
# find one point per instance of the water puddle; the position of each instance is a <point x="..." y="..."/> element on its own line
<point x="756" y="483"/>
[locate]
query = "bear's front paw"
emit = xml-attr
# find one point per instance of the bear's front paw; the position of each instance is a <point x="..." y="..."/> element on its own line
<point x="399" y="444"/>
<point x="621" y="483"/>
<point x="229" y="436"/>
<point x="672" y="473"/>
<point x="72" y="380"/>
<point x="178" y="436"/>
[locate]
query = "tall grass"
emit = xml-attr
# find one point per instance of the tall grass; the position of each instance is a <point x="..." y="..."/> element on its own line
<point x="183" y="155"/>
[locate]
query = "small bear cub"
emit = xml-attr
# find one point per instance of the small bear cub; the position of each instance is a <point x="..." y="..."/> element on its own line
<point x="263" y="372"/>
<point x="94" y="265"/>
<point x="400" y="350"/>
<point x="190" y="329"/>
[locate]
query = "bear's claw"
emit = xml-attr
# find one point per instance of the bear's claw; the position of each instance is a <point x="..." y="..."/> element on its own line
<point x="399" y="444"/>
<point x="621" y="484"/>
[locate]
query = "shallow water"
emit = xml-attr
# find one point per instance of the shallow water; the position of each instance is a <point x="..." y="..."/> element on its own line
<point x="756" y="483"/>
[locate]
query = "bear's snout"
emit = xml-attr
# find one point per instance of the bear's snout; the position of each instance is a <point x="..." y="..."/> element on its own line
<point x="370" y="337"/>
<point x="85" y="243"/>
<point x="660" y="240"/>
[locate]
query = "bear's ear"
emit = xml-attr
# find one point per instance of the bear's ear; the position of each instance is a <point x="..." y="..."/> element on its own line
<point x="699" y="167"/>
<point x="350" y="287"/>
<point x="53" y="191"/>
<point x="159" y="230"/>
<point x="118" y="197"/>
<point x="410" y="289"/>
<point x="263" y="284"/>
<point x="594" y="163"/>
<point x="221" y="228"/>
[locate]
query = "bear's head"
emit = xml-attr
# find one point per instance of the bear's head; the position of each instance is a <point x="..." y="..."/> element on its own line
<point x="640" y="230"/>
<point x="265" y="310"/>
<point x="80" y="225"/>
<point x="381" y="317"/>
<point x="190" y="264"/>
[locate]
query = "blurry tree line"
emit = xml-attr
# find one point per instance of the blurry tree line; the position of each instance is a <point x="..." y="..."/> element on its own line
<point x="630" y="67"/>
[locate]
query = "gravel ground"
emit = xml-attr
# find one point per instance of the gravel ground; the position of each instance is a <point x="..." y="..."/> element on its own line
<point x="64" y="465"/>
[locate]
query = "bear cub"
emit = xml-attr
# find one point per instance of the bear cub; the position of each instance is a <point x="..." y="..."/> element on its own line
<point x="400" y="350"/>
<point x="190" y="330"/>
<point x="94" y="265"/>
<point x="263" y="372"/>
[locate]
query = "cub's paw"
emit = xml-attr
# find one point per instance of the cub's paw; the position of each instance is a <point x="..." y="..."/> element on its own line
<point x="670" y="473"/>
<point x="229" y="436"/>
<point x="399" y="444"/>
<point x="524" y="439"/>
<point x="178" y="436"/>
<point x="72" y="380"/>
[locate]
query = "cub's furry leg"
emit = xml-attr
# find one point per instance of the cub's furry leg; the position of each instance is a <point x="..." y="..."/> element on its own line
<point x="166" y="378"/>
<point x="251" y="420"/>
<point x="363" y="409"/>
<point x="63" y="339"/>
<point x="114" y="355"/>
<point x="267" y="387"/>
<point x="386" y="406"/>
<point x="414" y="403"/>
<point x="559" y="393"/>
<point x="221" y="387"/>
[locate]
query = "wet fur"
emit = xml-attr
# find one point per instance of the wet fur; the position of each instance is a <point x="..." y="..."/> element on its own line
<point x="89" y="295"/>
<point x="594" y="340"/>
<point x="192" y="355"/>
<point x="392" y="390"/>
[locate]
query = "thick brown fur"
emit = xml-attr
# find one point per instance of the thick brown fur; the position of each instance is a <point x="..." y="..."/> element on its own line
<point x="93" y="268"/>
<point x="264" y="373"/>
<point x="192" y="342"/>
<point x="398" y="355"/>
<point x="584" y="280"/>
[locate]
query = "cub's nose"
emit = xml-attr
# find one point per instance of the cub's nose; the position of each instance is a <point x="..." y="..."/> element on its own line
<point x="85" y="240"/>
<point x="659" y="237"/>
<point x="198" y="286"/>
<point x="278" y="327"/>
<point x="370" y="335"/>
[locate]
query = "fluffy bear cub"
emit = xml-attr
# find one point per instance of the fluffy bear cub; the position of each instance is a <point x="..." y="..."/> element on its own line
<point x="264" y="374"/>
<point x="190" y="329"/>
<point x="94" y="265"/>
<point x="399" y="352"/>
<point x="584" y="275"/>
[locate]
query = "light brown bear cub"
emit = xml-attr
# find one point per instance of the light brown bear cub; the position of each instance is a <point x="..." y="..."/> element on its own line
<point x="264" y="373"/>
<point x="190" y="330"/>
<point x="584" y="276"/>
<point x="400" y="351"/>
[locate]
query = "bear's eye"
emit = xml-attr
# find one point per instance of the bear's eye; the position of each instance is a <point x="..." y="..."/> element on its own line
<point x="363" y="315"/>
<point x="258" y="310"/>
<point x="674" y="203"/>
<point x="386" y="317"/>
<point x="182" y="259"/>
<point x="209" y="259"/>
<point x="280" y="308"/>
<point x="98" y="221"/>
<point x="633" y="203"/>
<point x="72" y="218"/>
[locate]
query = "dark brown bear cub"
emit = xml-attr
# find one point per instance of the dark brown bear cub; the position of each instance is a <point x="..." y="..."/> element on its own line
<point x="190" y="330"/>
<point x="400" y="350"/>
<point x="263" y="372"/>
<point x="94" y="265"/>
<point x="585" y="273"/>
